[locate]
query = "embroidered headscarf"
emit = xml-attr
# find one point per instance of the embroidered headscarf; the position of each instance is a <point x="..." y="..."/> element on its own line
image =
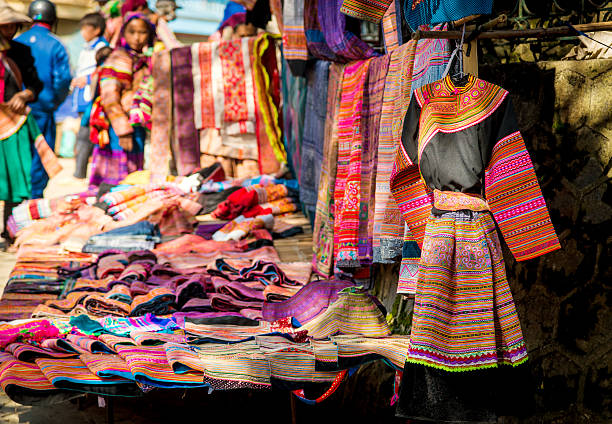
<point x="140" y="58"/>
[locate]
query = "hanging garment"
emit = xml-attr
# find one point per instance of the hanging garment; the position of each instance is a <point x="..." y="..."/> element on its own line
<point x="294" y="106"/>
<point x="348" y="176"/>
<point x="391" y="27"/>
<point x="425" y="12"/>
<point x="370" y="122"/>
<point x="270" y="149"/>
<point x="223" y="96"/>
<point x="369" y="10"/>
<point x="161" y="128"/>
<point x="317" y="46"/>
<point x="338" y="36"/>
<point x="295" y="49"/>
<point x="185" y="143"/>
<point x="464" y="142"/>
<point x="314" y="130"/>
<point x="323" y="229"/>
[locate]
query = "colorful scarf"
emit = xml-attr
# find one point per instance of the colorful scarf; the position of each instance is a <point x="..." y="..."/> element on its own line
<point x="185" y="142"/>
<point x="348" y="177"/>
<point x="161" y="129"/>
<point x="294" y="106"/>
<point x="295" y="48"/>
<point x="323" y="230"/>
<point x="314" y="36"/>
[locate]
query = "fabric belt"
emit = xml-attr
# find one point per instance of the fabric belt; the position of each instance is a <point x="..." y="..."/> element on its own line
<point x="456" y="201"/>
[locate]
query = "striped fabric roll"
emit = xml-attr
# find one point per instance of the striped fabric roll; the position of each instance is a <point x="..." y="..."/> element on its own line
<point x="392" y="36"/>
<point x="290" y="361"/>
<point x="368" y="10"/>
<point x="148" y="338"/>
<point x="28" y="353"/>
<point x="88" y="344"/>
<point x="353" y="313"/>
<point x="392" y="348"/>
<point x="150" y="366"/>
<point x="464" y="314"/>
<point x="73" y="374"/>
<point x="225" y="333"/>
<point x="112" y="341"/>
<point x="232" y="366"/>
<point x="107" y="366"/>
<point x="24" y="382"/>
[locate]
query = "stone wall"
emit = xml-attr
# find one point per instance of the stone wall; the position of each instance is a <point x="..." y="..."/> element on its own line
<point x="565" y="113"/>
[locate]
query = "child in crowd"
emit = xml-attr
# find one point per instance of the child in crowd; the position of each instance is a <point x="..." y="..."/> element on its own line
<point x="84" y="146"/>
<point x="124" y="72"/>
<point x="92" y="30"/>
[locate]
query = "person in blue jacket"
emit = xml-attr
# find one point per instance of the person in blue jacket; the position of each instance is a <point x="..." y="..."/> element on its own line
<point x="53" y="66"/>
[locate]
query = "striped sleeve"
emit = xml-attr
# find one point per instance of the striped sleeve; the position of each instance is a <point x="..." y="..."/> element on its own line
<point x="407" y="187"/>
<point x="516" y="202"/>
<point x="116" y="76"/>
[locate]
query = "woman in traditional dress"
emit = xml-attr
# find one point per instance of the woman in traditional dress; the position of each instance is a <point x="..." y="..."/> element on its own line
<point x="19" y="85"/>
<point x="116" y="118"/>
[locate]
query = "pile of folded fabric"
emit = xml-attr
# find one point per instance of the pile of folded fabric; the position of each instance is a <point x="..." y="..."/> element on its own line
<point x="258" y="200"/>
<point x="47" y="359"/>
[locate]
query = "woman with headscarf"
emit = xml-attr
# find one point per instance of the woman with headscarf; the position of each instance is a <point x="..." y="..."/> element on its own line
<point x="122" y="111"/>
<point x="19" y="85"/>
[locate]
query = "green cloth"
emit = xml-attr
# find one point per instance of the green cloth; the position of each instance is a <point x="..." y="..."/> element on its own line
<point x="88" y="326"/>
<point x="15" y="162"/>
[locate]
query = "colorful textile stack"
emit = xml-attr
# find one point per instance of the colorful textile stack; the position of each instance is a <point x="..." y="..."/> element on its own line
<point x="257" y="200"/>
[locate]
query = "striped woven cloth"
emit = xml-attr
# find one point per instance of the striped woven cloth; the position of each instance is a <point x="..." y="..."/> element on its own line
<point x="323" y="230"/>
<point x="348" y="175"/>
<point x="232" y="366"/>
<point x="480" y="328"/>
<point x="353" y="313"/>
<point x="393" y="348"/>
<point x="295" y="49"/>
<point x="107" y="366"/>
<point x="369" y="10"/>
<point x="28" y="353"/>
<point x="149" y="366"/>
<point x="24" y="382"/>
<point x="73" y="374"/>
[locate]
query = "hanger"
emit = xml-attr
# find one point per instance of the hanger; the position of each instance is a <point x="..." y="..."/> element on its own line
<point x="458" y="75"/>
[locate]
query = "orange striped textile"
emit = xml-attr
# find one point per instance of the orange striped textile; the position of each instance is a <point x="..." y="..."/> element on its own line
<point x="464" y="314"/>
<point x="369" y="10"/>
<point x="323" y="230"/>
<point x="348" y="175"/>
<point x="516" y="201"/>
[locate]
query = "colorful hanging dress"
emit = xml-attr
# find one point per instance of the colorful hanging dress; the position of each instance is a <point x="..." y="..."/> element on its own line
<point x="463" y="154"/>
<point x="461" y="168"/>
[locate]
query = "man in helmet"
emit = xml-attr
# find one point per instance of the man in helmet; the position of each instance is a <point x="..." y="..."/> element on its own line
<point x="53" y="66"/>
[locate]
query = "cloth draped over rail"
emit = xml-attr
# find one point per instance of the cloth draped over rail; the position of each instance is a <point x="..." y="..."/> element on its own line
<point x="217" y="101"/>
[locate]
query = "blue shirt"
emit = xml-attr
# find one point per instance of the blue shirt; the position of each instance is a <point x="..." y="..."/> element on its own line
<point x="53" y="67"/>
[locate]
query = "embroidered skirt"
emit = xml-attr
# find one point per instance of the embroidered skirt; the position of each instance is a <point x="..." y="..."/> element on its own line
<point x="464" y="315"/>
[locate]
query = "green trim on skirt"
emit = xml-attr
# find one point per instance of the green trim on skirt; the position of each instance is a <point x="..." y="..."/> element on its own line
<point x="16" y="161"/>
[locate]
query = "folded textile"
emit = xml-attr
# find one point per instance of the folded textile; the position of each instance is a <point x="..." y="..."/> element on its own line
<point x="107" y="366"/>
<point x="159" y="301"/>
<point x="240" y="227"/>
<point x="99" y="305"/>
<point x="222" y="302"/>
<point x="148" y="365"/>
<point x="310" y="301"/>
<point x="354" y="312"/>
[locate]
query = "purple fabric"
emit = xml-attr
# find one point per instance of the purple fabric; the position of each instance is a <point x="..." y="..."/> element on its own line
<point x="207" y="230"/>
<point x="197" y="305"/>
<point x="315" y="39"/>
<point x="225" y="303"/>
<point x="254" y="314"/>
<point x="307" y="303"/>
<point x="186" y="142"/>
<point x="339" y="39"/>
<point x="239" y="291"/>
<point x="112" y="166"/>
